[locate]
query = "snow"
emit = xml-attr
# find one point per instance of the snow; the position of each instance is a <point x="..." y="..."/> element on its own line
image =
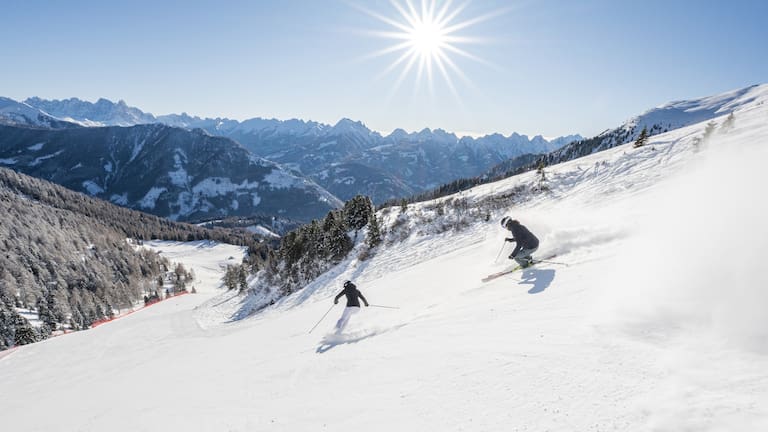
<point x="21" y="113"/>
<point x="150" y="198"/>
<point x="40" y="159"/>
<point x="179" y="177"/>
<point x="36" y="147"/>
<point x="108" y="167"/>
<point x="10" y="161"/>
<point x="121" y="199"/>
<point x="344" y="180"/>
<point x="92" y="187"/>
<point x="261" y="230"/>
<point x="207" y="258"/>
<point x="31" y="316"/>
<point x="215" y="186"/>
<point x="279" y="179"/>
<point x="652" y="320"/>
<point x="212" y="187"/>
<point x="137" y="147"/>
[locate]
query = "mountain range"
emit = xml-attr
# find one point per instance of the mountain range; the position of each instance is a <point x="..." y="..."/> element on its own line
<point x="346" y="158"/>
<point x="163" y="170"/>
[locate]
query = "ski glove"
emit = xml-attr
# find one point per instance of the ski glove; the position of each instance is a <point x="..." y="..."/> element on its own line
<point x="366" y="304"/>
<point x="509" y="239"/>
<point x="335" y="302"/>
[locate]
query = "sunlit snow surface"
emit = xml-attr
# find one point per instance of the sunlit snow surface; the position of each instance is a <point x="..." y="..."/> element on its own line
<point x="655" y="320"/>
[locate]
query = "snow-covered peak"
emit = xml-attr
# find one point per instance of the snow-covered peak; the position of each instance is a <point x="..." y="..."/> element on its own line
<point x="677" y="114"/>
<point x="101" y="113"/>
<point x="21" y="113"/>
<point x="346" y="125"/>
<point x="397" y="134"/>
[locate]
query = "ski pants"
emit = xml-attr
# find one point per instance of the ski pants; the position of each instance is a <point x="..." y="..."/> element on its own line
<point x="523" y="257"/>
<point x="348" y="312"/>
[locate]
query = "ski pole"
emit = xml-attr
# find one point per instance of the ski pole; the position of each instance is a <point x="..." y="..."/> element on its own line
<point x="502" y="248"/>
<point x="321" y="319"/>
<point x="380" y="306"/>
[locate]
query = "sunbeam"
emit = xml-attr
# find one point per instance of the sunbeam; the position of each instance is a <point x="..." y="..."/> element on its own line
<point x="425" y="37"/>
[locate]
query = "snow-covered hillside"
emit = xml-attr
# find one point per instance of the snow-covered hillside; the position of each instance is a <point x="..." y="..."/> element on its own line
<point x="650" y="317"/>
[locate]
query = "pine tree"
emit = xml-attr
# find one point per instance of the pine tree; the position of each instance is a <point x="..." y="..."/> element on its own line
<point x="356" y="211"/>
<point x="242" y="278"/>
<point x="542" y="176"/>
<point x="642" y="139"/>
<point x="230" y="277"/>
<point x="25" y="334"/>
<point x="374" y="231"/>
<point x="337" y="241"/>
<point x="44" y="311"/>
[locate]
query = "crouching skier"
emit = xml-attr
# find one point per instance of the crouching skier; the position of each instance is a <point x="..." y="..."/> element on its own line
<point x="527" y="243"/>
<point x="353" y="304"/>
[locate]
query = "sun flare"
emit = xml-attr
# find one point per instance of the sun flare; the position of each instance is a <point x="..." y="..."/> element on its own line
<point x="427" y="38"/>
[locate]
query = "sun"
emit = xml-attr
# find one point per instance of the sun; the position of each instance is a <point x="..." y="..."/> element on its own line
<point x="427" y="40"/>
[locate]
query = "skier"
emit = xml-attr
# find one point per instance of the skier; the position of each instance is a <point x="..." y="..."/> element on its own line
<point x="353" y="304"/>
<point x="527" y="243"/>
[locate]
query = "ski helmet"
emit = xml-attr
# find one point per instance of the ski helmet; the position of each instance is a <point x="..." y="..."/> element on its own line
<point x="505" y="220"/>
<point x="347" y="284"/>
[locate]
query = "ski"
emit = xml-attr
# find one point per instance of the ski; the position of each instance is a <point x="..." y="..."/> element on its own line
<point x="514" y="269"/>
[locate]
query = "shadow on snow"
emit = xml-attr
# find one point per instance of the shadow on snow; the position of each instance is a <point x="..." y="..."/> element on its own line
<point x="333" y="340"/>
<point x="541" y="279"/>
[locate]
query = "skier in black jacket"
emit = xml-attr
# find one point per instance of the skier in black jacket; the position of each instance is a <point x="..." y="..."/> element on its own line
<point x="353" y="305"/>
<point x="527" y="243"/>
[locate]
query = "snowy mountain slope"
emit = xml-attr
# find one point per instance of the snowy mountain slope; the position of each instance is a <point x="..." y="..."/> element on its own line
<point x="661" y="119"/>
<point x="658" y="120"/>
<point x="649" y="324"/>
<point x="170" y="172"/>
<point x="21" y="114"/>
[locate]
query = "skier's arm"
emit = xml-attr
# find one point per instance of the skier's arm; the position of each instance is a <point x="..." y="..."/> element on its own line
<point x="359" y="294"/>
<point x="336" y="300"/>
<point x="516" y="251"/>
<point x="510" y="239"/>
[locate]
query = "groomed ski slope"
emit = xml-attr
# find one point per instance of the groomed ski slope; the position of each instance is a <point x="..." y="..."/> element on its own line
<point x="657" y="322"/>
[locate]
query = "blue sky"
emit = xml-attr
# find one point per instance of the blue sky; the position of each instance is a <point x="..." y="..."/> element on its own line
<point x="549" y="67"/>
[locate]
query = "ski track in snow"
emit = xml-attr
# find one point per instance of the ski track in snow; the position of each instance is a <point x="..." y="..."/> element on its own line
<point x="645" y="327"/>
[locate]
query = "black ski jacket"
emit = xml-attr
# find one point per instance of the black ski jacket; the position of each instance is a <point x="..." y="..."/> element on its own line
<point x="524" y="238"/>
<point x="352" y="294"/>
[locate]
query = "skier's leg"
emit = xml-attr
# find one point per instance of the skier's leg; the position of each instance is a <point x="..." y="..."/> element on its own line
<point x="524" y="257"/>
<point x="348" y="312"/>
<point x="342" y="322"/>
